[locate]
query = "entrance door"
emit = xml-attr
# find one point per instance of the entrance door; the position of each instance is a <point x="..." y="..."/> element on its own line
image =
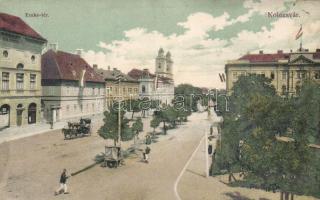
<point x="32" y="113"/>
<point x="19" y="114"/>
<point x="4" y="116"/>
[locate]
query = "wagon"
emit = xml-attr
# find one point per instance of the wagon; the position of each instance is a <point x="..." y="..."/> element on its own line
<point x="76" y="129"/>
<point x="113" y="156"/>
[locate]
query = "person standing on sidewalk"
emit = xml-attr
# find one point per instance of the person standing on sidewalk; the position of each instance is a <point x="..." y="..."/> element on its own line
<point x="63" y="183"/>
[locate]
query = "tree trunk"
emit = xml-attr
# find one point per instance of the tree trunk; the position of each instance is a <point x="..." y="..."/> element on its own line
<point x="164" y="128"/>
<point x="115" y="142"/>
<point x="281" y="195"/>
<point x="286" y="195"/>
<point x="132" y="114"/>
<point x="292" y="196"/>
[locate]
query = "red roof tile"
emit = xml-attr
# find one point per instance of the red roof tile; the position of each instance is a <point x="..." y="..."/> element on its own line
<point x="66" y="66"/>
<point x="316" y="55"/>
<point x="264" y="57"/>
<point x="16" y="25"/>
<point x="137" y="73"/>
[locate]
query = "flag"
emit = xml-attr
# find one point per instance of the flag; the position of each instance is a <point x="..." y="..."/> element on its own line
<point x="220" y="77"/>
<point x="300" y="32"/>
<point x="223" y="77"/>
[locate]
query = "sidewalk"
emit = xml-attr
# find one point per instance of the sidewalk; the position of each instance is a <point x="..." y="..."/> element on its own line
<point x="15" y="133"/>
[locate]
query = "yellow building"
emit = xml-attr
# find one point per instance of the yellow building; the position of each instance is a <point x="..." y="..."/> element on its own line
<point x="129" y="87"/>
<point x="286" y="70"/>
<point x="20" y="74"/>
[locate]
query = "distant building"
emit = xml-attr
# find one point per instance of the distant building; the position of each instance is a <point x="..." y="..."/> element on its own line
<point x="71" y="88"/>
<point x="286" y="70"/>
<point x="128" y="86"/>
<point x="158" y="86"/>
<point x="20" y="76"/>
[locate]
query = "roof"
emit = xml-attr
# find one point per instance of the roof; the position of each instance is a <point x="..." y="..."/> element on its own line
<point x="15" y="24"/>
<point x="137" y="74"/>
<point x="112" y="74"/>
<point x="262" y="57"/>
<point x="66" y="66"/>
<point x="265" y="57"/>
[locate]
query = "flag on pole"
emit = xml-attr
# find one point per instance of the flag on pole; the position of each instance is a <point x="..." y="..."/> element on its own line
<point x="300" y="32"/>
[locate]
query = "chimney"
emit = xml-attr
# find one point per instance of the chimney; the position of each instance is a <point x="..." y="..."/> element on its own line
<point x="260" y="52"/>
<point x="109" y="67"/>
<point x="290" y="50"/>
<point x="280" y="52"/>
<point x="83" y="72"/>
<point x="79" y="52"/>
<point x="95" y="67"/>
<point x="53" y="46"/>
<point x="317" y="50"/>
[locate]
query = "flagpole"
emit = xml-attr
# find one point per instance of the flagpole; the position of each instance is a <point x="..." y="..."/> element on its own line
<point x="301" y="39"/>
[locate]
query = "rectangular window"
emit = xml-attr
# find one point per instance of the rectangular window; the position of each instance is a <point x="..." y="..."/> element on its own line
<point x="32" y="81"/>
<point x="284" y="75"/>
<point x="93" y="91"/>
<point x="20" y="79"/>
<point x="234" y="75"/>
<point x="5" y="81"/>
<point x="130" y="90"/>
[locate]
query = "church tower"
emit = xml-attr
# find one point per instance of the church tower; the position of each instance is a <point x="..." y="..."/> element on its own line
<point x="160" y="63"/>
<point x="169" y="64"/>
<point x="164" y="64"/>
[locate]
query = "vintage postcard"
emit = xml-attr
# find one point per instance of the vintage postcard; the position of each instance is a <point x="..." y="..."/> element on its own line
<point x="160" y="99"/>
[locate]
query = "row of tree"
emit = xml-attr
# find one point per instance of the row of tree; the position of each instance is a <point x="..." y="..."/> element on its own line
<point x="267" y="137"/>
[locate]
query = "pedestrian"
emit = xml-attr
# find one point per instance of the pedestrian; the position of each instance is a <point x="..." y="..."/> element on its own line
<point x="63" y="183"/>
<point x="211" y="130"/>
<point x="146" y="154"/>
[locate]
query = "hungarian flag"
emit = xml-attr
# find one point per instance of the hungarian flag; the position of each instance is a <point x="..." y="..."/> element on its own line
<point x="299" y="34"/>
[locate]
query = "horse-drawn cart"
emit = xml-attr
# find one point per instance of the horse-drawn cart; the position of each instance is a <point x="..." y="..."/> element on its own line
<point x="76" y="129"/>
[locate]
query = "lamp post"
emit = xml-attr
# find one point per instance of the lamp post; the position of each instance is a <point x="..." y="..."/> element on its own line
<point x="118" y="80"/>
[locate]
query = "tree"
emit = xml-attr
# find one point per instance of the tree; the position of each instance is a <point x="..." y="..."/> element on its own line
<point x="154" y="123"/>
<point x="109" y="130"/>
<point x="137" y="127"/>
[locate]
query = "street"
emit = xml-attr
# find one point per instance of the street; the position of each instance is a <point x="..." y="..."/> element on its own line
<point x="32" y="166"/>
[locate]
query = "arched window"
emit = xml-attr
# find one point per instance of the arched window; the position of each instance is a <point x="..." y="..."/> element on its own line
<point x="5" y="53"/>
<point x="284" y="89"/>
<point x="33" y="58"/>
<point x="20" y="66"/>
<point x="143" y="89"/>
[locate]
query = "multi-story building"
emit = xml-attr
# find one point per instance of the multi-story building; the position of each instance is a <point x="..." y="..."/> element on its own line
<point x="20" y="72"/>
<point x="158" y="86"/>
<point x="286" y="70"/>
<point x="71" y="88"/>
<point x="127" y="89"/>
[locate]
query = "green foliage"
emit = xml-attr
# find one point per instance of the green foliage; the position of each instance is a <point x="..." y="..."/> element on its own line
<point x="137" y="126"/>
<point x="251" y="130"/>
<point x="109" y="130"/>
<point x="154" y="123"/>
<point x="191" y="95"/>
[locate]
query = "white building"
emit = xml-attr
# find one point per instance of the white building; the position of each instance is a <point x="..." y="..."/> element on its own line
<point x="158" y="86"/>
<point x="70" y="87"/>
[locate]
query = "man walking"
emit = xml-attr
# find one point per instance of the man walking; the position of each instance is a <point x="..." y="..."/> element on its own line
<point x="63" y="183"/>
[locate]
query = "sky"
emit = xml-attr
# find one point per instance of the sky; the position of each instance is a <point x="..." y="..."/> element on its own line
<point x="202" y="35"/>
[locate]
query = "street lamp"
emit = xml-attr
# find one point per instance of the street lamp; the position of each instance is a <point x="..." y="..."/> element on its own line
<point x="118" y="80"/>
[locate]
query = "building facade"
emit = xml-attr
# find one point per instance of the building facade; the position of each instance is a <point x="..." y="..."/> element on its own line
<point x="20" y="72"/>
<point x="71" y="88"/>
<point x="128" y="88"/>
<point x="158" y="86"/>
<point x="286" y="70"/>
